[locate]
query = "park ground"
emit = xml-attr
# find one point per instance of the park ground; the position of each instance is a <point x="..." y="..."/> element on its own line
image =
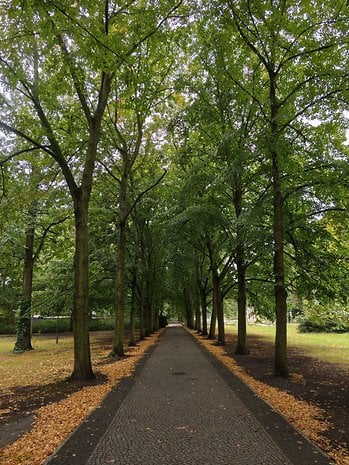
<point x="39" y="407"/>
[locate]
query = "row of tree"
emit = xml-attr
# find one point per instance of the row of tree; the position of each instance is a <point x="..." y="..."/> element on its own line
<point x="197" y="148"/>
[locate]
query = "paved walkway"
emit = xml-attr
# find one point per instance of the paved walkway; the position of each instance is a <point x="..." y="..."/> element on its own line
<point x="183" y="407"/>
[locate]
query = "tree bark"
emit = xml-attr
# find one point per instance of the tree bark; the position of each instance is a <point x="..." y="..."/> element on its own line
<point x="82" y="355"/>
<point x="213" y="323"/>
<point x="218" y="305"/>
<point x="241" y="348"/>
<point x="132" y="338"/>
<point x="203" y="302"/>
<point x="188" y="308"/>
<point x="23" y="342"/>
<point x="198" y="321"/>
<point x="141" y="311"/>
<point x="280" y="293"/>
<point x="118" y="342"/>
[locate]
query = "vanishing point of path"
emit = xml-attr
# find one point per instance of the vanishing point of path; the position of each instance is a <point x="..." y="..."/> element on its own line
<point x="183" y="407"/>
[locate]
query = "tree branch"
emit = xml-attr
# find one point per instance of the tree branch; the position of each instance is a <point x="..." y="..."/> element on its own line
<point x="108" y="170"/>
<point x="21" y="134"/>
<point x="13" y="155"/>
<point x="46" y="231"/>
<point x="142" y="194"/>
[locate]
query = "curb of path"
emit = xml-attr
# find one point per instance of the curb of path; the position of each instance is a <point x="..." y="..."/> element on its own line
<point x="277" y="425"/>
<point x="77" y="448"/>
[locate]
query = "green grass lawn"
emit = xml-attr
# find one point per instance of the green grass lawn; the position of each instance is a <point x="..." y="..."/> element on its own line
<point x="49" y="362"/>
<point x="330" y="347"/>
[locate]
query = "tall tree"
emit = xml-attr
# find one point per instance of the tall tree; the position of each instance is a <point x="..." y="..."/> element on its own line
<point x="33" y="69"/>
<point x="294" y="44"/>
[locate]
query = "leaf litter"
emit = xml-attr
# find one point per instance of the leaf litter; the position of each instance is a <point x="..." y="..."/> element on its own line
<point x="308" y="418"/>
<point x="56" y="420"/>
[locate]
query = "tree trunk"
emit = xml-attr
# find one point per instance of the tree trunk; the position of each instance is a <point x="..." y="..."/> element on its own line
<point x="218" y="305"/>
<point x="118" y="343"/>
<point x="147" y="313"/>
<point x="23" y="342"/>
<point x="132" y="338"/>
<point x="280" y="368"/>
<point x="82" y="355"/>
<point x="189" y="308"/>
<point x="203" y="302"/>
<point x="198" y="324"/>
<point x="141" y="311"/>
<point x="213" y="322"/>
<point x="280" y="294"/>
<point x="241" y="348"/>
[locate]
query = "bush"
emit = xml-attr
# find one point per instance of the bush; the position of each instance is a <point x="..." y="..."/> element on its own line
<point x="324" y="318"/>
<point x="103" y="324"/>
<point x="6" y="328"/>
<point x="50" y="325"/>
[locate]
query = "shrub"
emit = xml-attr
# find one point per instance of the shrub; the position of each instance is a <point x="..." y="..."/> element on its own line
<point x="7" y="328"/>
<point x="321" y="317"/>
<point x="49" y="325"/>
<point x="102" y="324"/>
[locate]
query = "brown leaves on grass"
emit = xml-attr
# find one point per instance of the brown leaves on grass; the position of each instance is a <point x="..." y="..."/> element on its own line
<point x="307" y="418"/>
<point x="55" y="421"/>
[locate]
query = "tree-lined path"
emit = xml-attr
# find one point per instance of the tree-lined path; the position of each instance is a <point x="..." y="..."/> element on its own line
<point x="183" y="407"/>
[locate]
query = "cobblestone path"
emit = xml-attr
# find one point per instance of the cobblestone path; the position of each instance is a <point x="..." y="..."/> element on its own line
<point x="185" y="409"/>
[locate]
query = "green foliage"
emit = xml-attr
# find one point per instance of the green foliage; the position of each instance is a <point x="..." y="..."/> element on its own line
<point x="7" y="328"/>
<point x="102" y="324"/>
<point x="51" y="325"/>
<point x="328" y="317"/>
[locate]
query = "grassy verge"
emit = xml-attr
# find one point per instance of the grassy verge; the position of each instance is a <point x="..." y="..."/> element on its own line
<point x="48" y="363"/>
<point x="329" y="347"/>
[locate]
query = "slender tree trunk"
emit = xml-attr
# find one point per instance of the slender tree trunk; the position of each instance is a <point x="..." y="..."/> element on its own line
<point x="118" y="342"/>
<point x="241" y="348"/>
<point x="218" y="305"/>
<point x="189" y="308"/>
<point x="141" y="311"/>
<point x="203" y="302"/>
<point x="280" y="293"/>
<point x="151" y="299"/>
<point x="198" y="321"/>
<point x="132" y="338"/>
<point x="82" y="355"/>
<point x="23" y="342"/>
<point x="213" y="323"/>
<point x="158" y="313"/>
<point x="147" y="307"/>
<point x="281" y="365"/>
